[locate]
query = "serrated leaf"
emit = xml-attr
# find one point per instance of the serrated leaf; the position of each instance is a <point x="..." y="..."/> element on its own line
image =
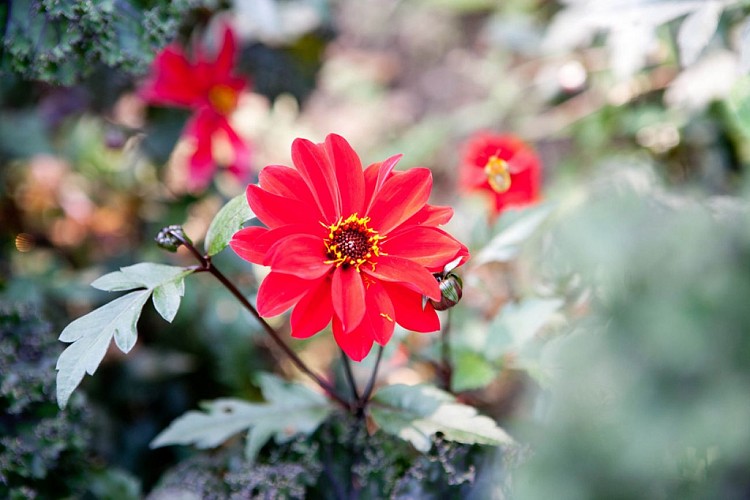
<point x="471" y="371"/>
<point x="506" y="245"/>
<point x="417" y="412"/>
<point x="91" y="336"/>
<point x="291" y="409"/>
<point x="142" y="275"/>
<point x="227" y="222"/>
<point x="697" y="30"/>
<point x="167" y="298"/>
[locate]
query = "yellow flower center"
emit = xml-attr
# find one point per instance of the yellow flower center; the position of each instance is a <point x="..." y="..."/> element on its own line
<point x="351" y="243"/>
<point x="223" y="98"/>
<point x="497" y="174"/>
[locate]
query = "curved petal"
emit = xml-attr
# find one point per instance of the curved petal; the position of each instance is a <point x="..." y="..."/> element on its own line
<point x="171" y="81"/>
<point x="348" y="297"/>
<point x="274" y="210"/>
<point x="252" y="243"/>
<point x="244" y="243"/>
<point x="378" y="322"/>
<point x="349" y="176"/>
<point x="428" y="215"/>
<point x="409" y="311"/>
<point x="312" y="163"/>
<point x="225" y="58"/>
<point x="279" y="292"/>
<point x="302" y="255"/>
<point x="401" y="197"/>
<point x="356" y="343"/>
<point x="313" y="312"/>
<point x="201" y="164"/>
<point x="427" y="246"/>
<point x="376" y="175"/>
<point x="407" y="272"/>
<point x="240" y="166"/>
<point x="287" y="182"/>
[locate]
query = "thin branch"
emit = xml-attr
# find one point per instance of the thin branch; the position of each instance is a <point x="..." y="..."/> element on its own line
<point x="208" y="266"/>
<point x="370" y="384"/>
<point x="350" y="376"/>
<point x="445" y="352"/>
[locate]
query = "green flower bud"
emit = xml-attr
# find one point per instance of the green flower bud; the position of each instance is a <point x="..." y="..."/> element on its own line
<point x="169" y="238"/>
<point x="451" y="289"/>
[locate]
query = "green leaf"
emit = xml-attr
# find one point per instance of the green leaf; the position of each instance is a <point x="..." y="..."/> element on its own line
<point x="167" y="298"/>
<point x="507" y="244"/>
<point x="290" y="409"/>
<point x="739" y="103"/>
<point x="142" y="275"/>
<point x="227" y="222"/>
<point x="91" y="336"/>
<point x="416" y="412"/>
<point x="517" y="324"/>
<point x="471" y="370"/>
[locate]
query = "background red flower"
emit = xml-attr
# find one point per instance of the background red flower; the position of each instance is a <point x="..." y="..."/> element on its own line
<point x="209" y="87"/>
<point x="504" y="166"/>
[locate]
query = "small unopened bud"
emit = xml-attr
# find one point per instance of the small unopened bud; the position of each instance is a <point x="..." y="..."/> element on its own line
<point x="451" y="290"/>
<point x="169" y="238"/>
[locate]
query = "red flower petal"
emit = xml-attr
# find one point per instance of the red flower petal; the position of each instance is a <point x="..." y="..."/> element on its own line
<point x="349" y="174"/>
<point x="313" y="165"/>
<point x="407" y="272"/>
<point x="240" y="167"/>
<point x="253" y="243"/>
<point x="348" y="297"/>
<point x="378" y="322"/>
<point x="279" y="292"/>
<point x="313" y="312"/>
<point x="376" y="175"/>
<point x="301" y="255"/>
<point x="356" y="343"/>
<point x="275" y="211"/>
<point x="409" y="311"/>
<point x="401" y="197"/>
<point x="287" y="182"/>
<point x="225" y="58"/>
<point x="171" y="81"/>
<point x="201" y="164"/>
<point x="428" y="215"/>
<point x="427" y="246"/>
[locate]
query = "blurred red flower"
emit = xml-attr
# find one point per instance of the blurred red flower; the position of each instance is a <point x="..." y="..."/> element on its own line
<point x="355" y="247"/>
<point x="208" y="87"/>
<point x="504" y="166"/>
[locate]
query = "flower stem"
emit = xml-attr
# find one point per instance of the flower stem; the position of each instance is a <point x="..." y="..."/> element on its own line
<point x="446" y="370"/>
<point x="370" y="385"/>
<point x="350" y="376"/>
<point x="208" y="266"/>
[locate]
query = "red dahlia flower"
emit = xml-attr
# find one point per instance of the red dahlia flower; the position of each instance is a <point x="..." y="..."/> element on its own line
<point x="503" y="165"/>
<point x="208" y="87"/>
<point x="358" y="248"/>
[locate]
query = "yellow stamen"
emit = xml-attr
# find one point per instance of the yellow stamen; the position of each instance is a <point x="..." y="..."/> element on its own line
<point x="351" y="243"/>
<point x="386" y="316"/>
<point x="498" y="174"/>
<point x="223" y="98"/>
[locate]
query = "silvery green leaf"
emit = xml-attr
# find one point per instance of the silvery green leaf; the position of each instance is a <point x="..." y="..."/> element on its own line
<point x="506" y="245"/>
<point x="91" y="336"/>
<point x="167" y="298"/>
<point x="290" y="409"/>
<point x="518" y="323"/>
<point x="415" y="413"/>
<point x="697" y="30"/>
<point x="227" y="222"/>
<point x="142" y="275"/>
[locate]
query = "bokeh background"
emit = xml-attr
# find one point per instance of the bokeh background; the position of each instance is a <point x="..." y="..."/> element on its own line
<point x="605" y="328"/>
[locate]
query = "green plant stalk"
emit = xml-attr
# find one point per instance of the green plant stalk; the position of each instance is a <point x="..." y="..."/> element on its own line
<point x="208" y="266"/>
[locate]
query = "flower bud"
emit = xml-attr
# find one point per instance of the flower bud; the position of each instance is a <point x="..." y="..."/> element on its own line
<point x="169" y="238"/>
<point x="451" y="289"/>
